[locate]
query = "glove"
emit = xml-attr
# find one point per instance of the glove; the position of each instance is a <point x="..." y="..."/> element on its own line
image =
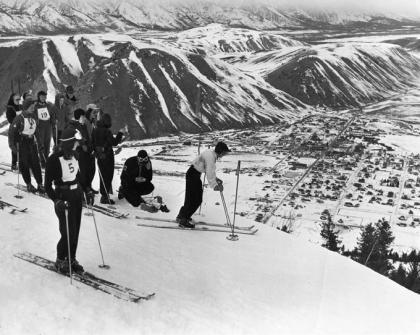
<point x="219" y="187"/>
<point x="61" y="205"/>
<point x="140" y="179"/>
<point x="219" y="181"/>
<point x="90" y="197"/>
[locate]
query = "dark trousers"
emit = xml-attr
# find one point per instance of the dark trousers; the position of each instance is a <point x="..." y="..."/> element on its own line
<point x="133" y="194"/>
<point x="106" y="168"/>
<point x="14" y="158"/>
<point x="28" y="160"/>
<point x="193" y="193"/>
<point x="44" y="140"/>
<point x="87" y="168"/>
<point x="74" y="197"/>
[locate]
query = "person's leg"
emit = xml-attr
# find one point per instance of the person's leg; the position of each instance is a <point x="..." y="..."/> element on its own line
<point x="75" y="216"/>
<point x="47" y="141"/>
<point x="24" y="153"/>
<point x="35" y="165"/>
<point x="133" y="196"/>
<point x="62" y="251"/>
<point x="193" y="188"/>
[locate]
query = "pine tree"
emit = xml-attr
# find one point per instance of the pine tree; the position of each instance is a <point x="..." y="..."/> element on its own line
<point x="329" y="235"/>
<point x="365" y="244"/>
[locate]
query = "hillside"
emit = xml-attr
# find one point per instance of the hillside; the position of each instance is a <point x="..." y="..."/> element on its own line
<point x="269" y="283"/>
<point x="68" y="17"/>
<point x="150" y="87"/>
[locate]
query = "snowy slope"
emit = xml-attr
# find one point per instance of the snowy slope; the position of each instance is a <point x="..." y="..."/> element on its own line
<point x="270" y="283"/>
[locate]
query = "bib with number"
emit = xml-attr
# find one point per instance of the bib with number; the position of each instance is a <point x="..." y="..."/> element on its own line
<point x="69" y="169"/>
<point x="43" y="114"/>
<point x="29" y="126"/>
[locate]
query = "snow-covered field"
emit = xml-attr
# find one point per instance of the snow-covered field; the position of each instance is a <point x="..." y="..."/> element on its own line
<point x="270" y="283"/>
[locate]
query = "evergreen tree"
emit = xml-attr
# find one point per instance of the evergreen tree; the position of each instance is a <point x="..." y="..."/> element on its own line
<point x="330" y="236"/>
<point x="365" y="244"/>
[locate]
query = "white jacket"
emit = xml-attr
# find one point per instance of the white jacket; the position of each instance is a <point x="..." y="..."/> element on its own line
<point x="206" y="163"/>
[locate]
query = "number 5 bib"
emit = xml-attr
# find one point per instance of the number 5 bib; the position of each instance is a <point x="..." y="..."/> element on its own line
<point x="43" y="114"/>
<point x="69" y="169"/>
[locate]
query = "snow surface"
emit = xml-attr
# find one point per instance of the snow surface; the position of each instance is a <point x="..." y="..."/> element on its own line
<point x="270" y="283"/>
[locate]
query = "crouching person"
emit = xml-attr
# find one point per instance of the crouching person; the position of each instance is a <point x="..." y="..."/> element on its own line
<point x="136" y="180"/>
<point x="62" y="184"/>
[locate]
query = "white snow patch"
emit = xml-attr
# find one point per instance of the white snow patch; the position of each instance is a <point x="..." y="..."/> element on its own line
<point x="68" y="55"/>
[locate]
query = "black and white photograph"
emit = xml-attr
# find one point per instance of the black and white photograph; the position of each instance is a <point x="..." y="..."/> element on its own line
<point x="209" y="167"/>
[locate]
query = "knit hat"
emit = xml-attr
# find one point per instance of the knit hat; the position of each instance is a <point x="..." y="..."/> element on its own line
<point x="221" y="147"/>
<point x="27" y="103"/>
<point x="41" y="93"/>
<point x="78" y="113"/>
<point x="142" y="154"/>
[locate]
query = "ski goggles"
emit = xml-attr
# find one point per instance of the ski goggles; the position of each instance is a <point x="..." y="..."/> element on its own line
<point x="143" y="160"/>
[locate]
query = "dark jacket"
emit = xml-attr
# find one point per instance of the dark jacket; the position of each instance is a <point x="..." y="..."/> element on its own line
<point x="86" y="143"/>
<point x="60" y="112"/>
<point x="103" y="140"/>
<point x="51" y="110"/>
<point x="11" y="109"/>
<point x="133" y="169"/>
<point x="17" y="129"/>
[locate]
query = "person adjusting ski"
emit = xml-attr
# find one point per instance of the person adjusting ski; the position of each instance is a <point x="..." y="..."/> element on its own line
<point x="104" y="140"/>
<point x="63" y="187"/>
<point x="204" y="163"/>
<point x="22" y="141"/>
<point x="12" y="110"/>
<point x="136" y="180"/>
<point x="45" y="116"/>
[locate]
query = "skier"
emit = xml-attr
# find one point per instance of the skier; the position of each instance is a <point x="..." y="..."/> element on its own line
<point x="13" y="109"/>
<point x="205" y="162"/>
<point x="63" y="171"/>
<point x="70" y="104"/>
<point x="60" y="116"/>
<point x="84" y="152"/>
<point x="45" y="126"/>
<point x="136" y="180"/>
<point x="22" y="140"/>
<point x="104" y="140"/>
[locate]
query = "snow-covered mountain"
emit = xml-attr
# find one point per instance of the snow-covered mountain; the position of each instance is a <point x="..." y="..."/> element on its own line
<point x="150" y="87"/>
<point x="335" y="74"/>
<point x="268" y="283"/>
<point x="64" y="16"/>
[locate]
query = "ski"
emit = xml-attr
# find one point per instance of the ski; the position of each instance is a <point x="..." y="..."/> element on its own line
<point x="200" y="223"/>
<point x="3" y="172"/>
<point x="116" y="290"/>
<point x="14" y="208"/>
<point x="96" y="208"/>
<point x="199" y="228"/>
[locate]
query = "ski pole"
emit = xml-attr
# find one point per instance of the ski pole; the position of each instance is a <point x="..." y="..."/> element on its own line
<point x="232" y="236"/>
<point x="103" y="265"/>
<point x="204" y="181"/>
<point x="103" y="184"/>
<point x="66" y="212"/>
<point x="18" y="196"/>
<point x="236" y="194"/>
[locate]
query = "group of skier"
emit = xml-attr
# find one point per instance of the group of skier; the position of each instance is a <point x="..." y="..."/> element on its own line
<point x="81" y="137"/>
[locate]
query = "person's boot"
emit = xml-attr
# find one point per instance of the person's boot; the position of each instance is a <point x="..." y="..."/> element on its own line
<point x="164" y="209"/>
<point x="106" y="201"/>
<point x="62" y="265"/>
<point x="31" y="188"/>
<point x="185" y="223"/>
<point x="40" y="189"/>
<point x="76" y="267"/>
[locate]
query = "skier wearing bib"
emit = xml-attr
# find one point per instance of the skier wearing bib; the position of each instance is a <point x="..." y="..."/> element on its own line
<point x="13" y="109"/>
<point x="205" y="162"/>
<point x="63" y="186"/>
<point x="22" y="140"/>
<point x="46" y="126"/>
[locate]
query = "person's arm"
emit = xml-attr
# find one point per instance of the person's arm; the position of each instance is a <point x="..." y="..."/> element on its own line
<point x="130" y="172"/>
<point x="114" y="140"/>
<point x="148" y="172"/>
<point x="52" y="171"/>
<point x="10" y="114"/>
<point x="14" y="131"/>
<point x="210" y="166"/>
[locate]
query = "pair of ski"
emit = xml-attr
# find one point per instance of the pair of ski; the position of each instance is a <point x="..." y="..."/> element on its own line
<point x="13" y="208"/>
<point x="199" y="226"/>
<point x="89" y="279"/>
<point x="96" y="208"/>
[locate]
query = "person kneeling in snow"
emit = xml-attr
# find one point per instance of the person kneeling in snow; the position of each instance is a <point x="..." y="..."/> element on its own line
<point x="63" y="170"/>
<point x="136" y="180"/>
<point x="205" y="162"/>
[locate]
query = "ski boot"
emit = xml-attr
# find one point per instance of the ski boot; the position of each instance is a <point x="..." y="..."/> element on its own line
<point x="62" y="265"/>
<point x="106" y="201"/>
<point x="31" y="188"/>
<point x="185" y="223"/>
<point x="76" y="267"/>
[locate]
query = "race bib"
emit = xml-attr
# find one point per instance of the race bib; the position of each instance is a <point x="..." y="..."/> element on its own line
<point x="29" y="126"/>
<point x="69" y="169"/>
<point x="43" y="114"/>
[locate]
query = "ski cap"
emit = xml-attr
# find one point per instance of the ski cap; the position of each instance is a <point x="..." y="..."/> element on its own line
<point x="78" y="113"/>
<point x="221" y="147"/>
<point x="142" y="154"/>
<point x="92" y="106"/>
